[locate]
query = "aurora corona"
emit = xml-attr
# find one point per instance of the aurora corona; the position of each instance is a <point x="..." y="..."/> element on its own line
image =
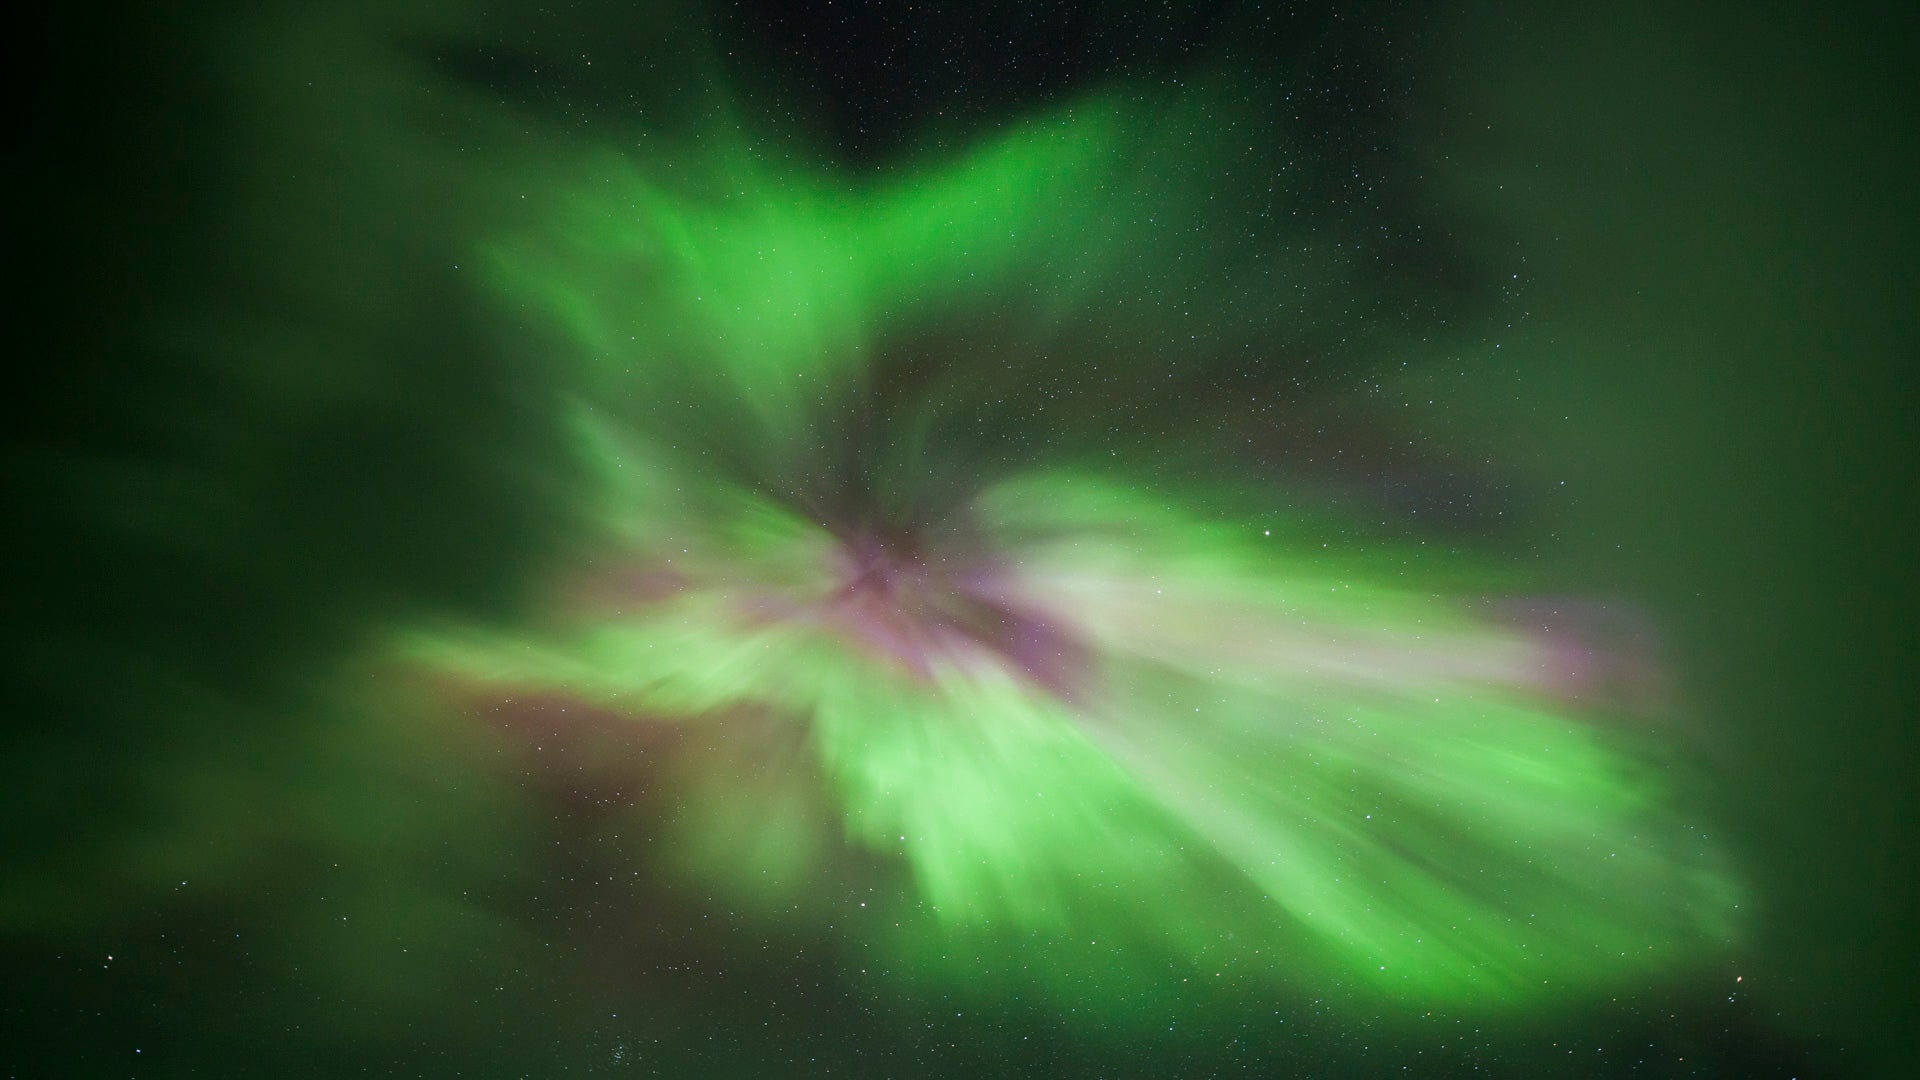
<point x="1076" y="702"/>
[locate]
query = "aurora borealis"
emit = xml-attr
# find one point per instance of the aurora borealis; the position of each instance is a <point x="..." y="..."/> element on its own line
<point x="761" y="541"/>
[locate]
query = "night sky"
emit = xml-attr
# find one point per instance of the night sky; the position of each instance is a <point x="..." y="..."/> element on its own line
<point x="1004" y="539"/>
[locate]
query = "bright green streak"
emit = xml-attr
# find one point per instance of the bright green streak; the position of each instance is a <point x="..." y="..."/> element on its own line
<point x="745" y="283"/>
<point x="1357" y="753"/>
<point x="1339" y="760"/>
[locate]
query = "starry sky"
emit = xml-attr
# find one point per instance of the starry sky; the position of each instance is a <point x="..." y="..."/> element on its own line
<point x="886" y="539"/>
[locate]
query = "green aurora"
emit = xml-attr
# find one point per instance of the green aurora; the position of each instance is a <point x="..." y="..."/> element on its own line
<point x="1428" y="800"/>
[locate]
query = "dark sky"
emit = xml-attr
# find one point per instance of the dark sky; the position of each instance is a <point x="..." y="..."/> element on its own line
<point x="1658" y="267"/>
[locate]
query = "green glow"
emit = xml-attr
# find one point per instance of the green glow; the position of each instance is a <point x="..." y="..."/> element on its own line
<point x="1339" y="759"/>
<point x="1368" y="758"/>
<point x="741" y="281"/>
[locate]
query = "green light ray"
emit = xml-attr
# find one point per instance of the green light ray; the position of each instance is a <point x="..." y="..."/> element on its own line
<point x="1346" y="759"/>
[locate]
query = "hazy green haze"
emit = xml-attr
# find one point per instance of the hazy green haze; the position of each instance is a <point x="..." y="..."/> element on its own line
<point x="1099" y="540"/>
